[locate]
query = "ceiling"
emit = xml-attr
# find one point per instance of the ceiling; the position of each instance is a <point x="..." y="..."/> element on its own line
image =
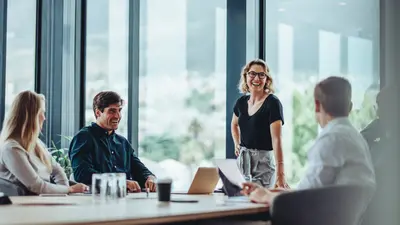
<point x="349" y="17"/>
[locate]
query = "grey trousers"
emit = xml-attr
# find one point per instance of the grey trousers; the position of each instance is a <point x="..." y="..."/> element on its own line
<point x="259" y="164"/>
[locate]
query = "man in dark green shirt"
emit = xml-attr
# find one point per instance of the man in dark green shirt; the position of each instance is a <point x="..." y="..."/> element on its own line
<point x="98" y="149"/>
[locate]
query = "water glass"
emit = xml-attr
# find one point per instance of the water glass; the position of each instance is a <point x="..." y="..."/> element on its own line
<point x="108" y="187"/>
<point x="108" y="190"/>
<point x="96" y="184"/>
<point x="121" y="185"/>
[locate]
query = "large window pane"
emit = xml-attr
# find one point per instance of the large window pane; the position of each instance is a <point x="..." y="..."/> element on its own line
<point x="20" y="58"/>
<point x="107" y="53"/>
<point x="182" y="86"/>
<point x="69" y="74"/>
<point x="309" y="40"/>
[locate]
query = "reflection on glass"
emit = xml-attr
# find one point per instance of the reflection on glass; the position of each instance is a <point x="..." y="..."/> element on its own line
<point x="20" y="58"/>
<point x="182" y="86"/>
<point x="107" y="53"/>
<point x="304" y="45"/>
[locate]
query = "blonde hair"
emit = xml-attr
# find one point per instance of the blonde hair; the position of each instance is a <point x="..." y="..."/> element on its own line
<point x="22" y="124"/>
<point x="243" y="88"/>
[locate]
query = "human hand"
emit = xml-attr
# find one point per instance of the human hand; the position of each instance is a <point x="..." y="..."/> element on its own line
<point x="259" y="194"/>
<point x="249" y="187"/>
<point x="237" y="150"/>
<point x="281" y="183"/>
<point x="151" y="184"/>
<point x="133" y="186"/>
<point x="256" y="193"/>
<point x="278" y="189"/>
<point x="78" y="188"/>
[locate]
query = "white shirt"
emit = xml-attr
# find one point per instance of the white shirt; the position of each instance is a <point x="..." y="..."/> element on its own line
<point x="339" y="156"/>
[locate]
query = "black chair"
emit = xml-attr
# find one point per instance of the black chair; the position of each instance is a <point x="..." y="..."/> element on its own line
<point x="333" y="205"/>
<point x="11" y="189"/>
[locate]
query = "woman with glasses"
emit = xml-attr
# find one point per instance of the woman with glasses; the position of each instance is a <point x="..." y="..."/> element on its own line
<point x="256" y="127"/>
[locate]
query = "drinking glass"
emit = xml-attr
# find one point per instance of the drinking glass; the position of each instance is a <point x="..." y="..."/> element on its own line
<point x="108" y="190"/>
<point x="96" y="185"/>
<point x="121" y="185"/>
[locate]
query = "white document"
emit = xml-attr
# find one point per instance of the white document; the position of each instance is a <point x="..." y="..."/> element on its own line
<point x="230" y="169"/>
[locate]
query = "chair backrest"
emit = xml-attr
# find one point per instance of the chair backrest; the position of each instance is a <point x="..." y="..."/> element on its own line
<point x="12" y="189"/>
<point x="331" y="205"/>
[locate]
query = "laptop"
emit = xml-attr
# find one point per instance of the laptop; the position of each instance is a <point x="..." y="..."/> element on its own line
<point x="204" y="182"/>
<point x="232" y="190"/>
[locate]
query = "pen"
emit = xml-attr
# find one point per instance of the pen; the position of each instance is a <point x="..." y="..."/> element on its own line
<point x="147" y="192"/>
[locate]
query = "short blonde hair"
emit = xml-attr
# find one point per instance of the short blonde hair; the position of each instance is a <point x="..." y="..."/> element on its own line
<point x="22" y="124"/>
<point x="243" y="88"/>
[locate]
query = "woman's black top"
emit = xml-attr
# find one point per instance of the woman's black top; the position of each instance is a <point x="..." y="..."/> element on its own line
<point x="255" y="130"/>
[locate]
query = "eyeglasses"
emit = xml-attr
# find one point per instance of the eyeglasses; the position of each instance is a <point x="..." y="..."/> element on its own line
<point x="253" y="74"/>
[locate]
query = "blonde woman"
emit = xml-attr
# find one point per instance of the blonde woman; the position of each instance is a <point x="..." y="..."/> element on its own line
<point x="256" y="127"/>
<point x="23" y="157"/>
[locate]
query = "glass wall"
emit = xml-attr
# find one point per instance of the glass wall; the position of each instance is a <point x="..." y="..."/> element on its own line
<point x="183" y="61"/>
<point x="20" y="58"/>
<point x="309" y="40"/>
<point x="182" y="86"/>
<point x="70" y="74"/>
<point x="107" y="53"/>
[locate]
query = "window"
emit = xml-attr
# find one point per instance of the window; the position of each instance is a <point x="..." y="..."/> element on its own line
<point x="20" y="58"/>
<point x="70" y="75"/>
<point x="107" y="53"/>
<point x="309" y="40"/>
<point x="182" y="86"/>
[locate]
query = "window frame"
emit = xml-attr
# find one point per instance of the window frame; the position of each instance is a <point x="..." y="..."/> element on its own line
<point x="3" y="53"/>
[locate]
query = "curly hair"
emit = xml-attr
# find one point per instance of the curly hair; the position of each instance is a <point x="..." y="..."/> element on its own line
<point x="243" y="88"/>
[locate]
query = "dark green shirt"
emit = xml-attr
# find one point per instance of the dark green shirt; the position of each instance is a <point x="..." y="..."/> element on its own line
<point x="93" y="150"/>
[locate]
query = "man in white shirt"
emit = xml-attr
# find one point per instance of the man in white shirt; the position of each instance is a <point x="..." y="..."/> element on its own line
<point x="340" y="155"/>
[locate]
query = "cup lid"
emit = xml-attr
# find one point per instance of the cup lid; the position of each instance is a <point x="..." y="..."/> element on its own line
<point x="164" y="181"/>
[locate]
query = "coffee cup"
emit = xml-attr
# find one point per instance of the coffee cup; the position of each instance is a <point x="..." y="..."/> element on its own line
<point x="164" y="189"/>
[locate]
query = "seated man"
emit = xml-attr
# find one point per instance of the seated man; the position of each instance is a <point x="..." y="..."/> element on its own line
<point x="340" y="155"/>
<point x="379" y="132"/>
<point x="98" y="149"/>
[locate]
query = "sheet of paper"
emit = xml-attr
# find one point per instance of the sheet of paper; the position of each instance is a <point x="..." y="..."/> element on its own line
<point x="231" y="170"/>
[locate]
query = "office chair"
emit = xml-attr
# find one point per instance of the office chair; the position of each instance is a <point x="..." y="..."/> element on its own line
<point x="331" y="205"/>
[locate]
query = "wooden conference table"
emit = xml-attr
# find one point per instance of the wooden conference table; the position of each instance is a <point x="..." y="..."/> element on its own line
<point x="135" y="209"/>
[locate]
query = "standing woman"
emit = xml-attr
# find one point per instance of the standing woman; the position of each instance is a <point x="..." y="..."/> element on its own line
<point x="23" y="157"/>
<point x="256" y="127"/>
